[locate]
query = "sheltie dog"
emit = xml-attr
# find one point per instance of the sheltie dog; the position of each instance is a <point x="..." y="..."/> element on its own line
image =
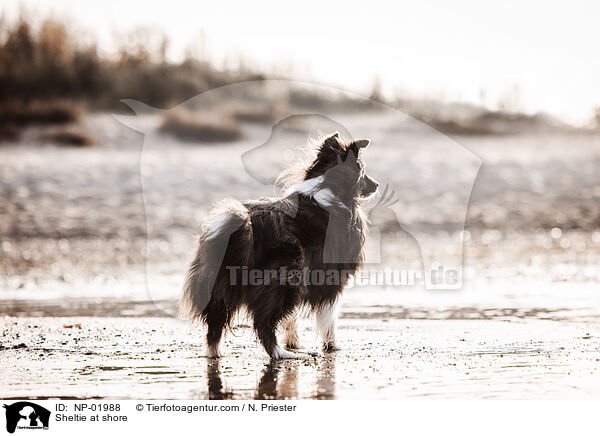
<point x="274" y="256"/>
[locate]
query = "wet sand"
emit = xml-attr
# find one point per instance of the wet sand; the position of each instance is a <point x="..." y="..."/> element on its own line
<point x="381" y="358"/>
<point x="394" y="344"/>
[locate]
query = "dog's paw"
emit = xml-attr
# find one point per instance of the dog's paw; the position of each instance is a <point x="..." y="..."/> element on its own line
<point x="292" y="346"/>
<point x="280" y="353"/>
<point x="330" y="347"/>
<point x="213" y="352"/>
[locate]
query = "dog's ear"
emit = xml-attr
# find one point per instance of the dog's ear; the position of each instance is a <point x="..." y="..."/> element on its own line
<point x="355" y="146"/>
<point x="362" y="143"/>
<point x="332" y="142"/>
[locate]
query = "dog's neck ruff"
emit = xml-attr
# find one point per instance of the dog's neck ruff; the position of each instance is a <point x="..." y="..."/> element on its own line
<point x="312" y="188"/>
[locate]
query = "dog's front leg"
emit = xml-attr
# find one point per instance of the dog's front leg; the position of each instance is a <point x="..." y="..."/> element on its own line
<point x="290" y="329"/>
<point x="326" y="317"/>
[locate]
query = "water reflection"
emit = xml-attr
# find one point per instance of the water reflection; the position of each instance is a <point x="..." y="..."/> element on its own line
<point x="267" y="386"/>
<point x="215" y="382"/>
<point x="280" y="380"/>
<point x="325" y="384"/>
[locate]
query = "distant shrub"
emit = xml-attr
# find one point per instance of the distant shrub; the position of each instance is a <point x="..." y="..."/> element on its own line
<point x="68" y="136"/>
<point x="8" y="131"/>
<point x="200" y="127"/>
<point x="453" y="127"/>
<point x="48" y="61"/>
<point x="21" y="113"/>
<point x="250" y="114"/>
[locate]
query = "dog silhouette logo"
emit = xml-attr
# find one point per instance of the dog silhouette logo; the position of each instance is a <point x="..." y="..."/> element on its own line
<point x="26" y="415"/>
<point x="429" y="176"/>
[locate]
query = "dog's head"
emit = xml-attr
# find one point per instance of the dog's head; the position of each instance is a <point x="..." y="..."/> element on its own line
<point x="342" y="169"/>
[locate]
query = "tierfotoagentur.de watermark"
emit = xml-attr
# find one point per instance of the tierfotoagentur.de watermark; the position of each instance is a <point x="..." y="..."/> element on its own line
<point x="245" y="276"/>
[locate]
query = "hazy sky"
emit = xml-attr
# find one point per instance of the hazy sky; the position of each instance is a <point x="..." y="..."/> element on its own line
<point x="430" y="48"/>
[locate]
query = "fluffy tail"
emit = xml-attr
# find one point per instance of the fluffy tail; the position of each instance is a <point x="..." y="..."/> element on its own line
<point x="226" y="234"/>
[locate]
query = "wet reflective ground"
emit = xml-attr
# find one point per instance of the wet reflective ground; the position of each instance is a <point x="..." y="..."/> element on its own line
<point x="381" y="358"/>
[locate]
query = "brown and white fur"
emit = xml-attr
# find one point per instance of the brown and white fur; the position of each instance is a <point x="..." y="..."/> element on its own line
<point x="318" y="225"/>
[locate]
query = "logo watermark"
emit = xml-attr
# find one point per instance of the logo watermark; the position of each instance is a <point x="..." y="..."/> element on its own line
<point x="25" y="415"/>
<point x="425" y="180"/>
<point x="245" y="276"/>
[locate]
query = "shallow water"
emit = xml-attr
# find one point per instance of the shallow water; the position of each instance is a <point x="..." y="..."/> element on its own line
<point x="160" y="358"/>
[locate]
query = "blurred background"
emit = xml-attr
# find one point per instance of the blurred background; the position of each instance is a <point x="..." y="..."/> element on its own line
<point x="501" y="83"/>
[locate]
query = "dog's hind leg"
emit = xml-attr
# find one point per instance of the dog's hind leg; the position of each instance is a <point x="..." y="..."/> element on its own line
<point x="265" y="331"/>
<point x="326" y="316"/>
<point x="267" y="317"/>
<point x="216" y="317"/>
<point x="290" y="331"/>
